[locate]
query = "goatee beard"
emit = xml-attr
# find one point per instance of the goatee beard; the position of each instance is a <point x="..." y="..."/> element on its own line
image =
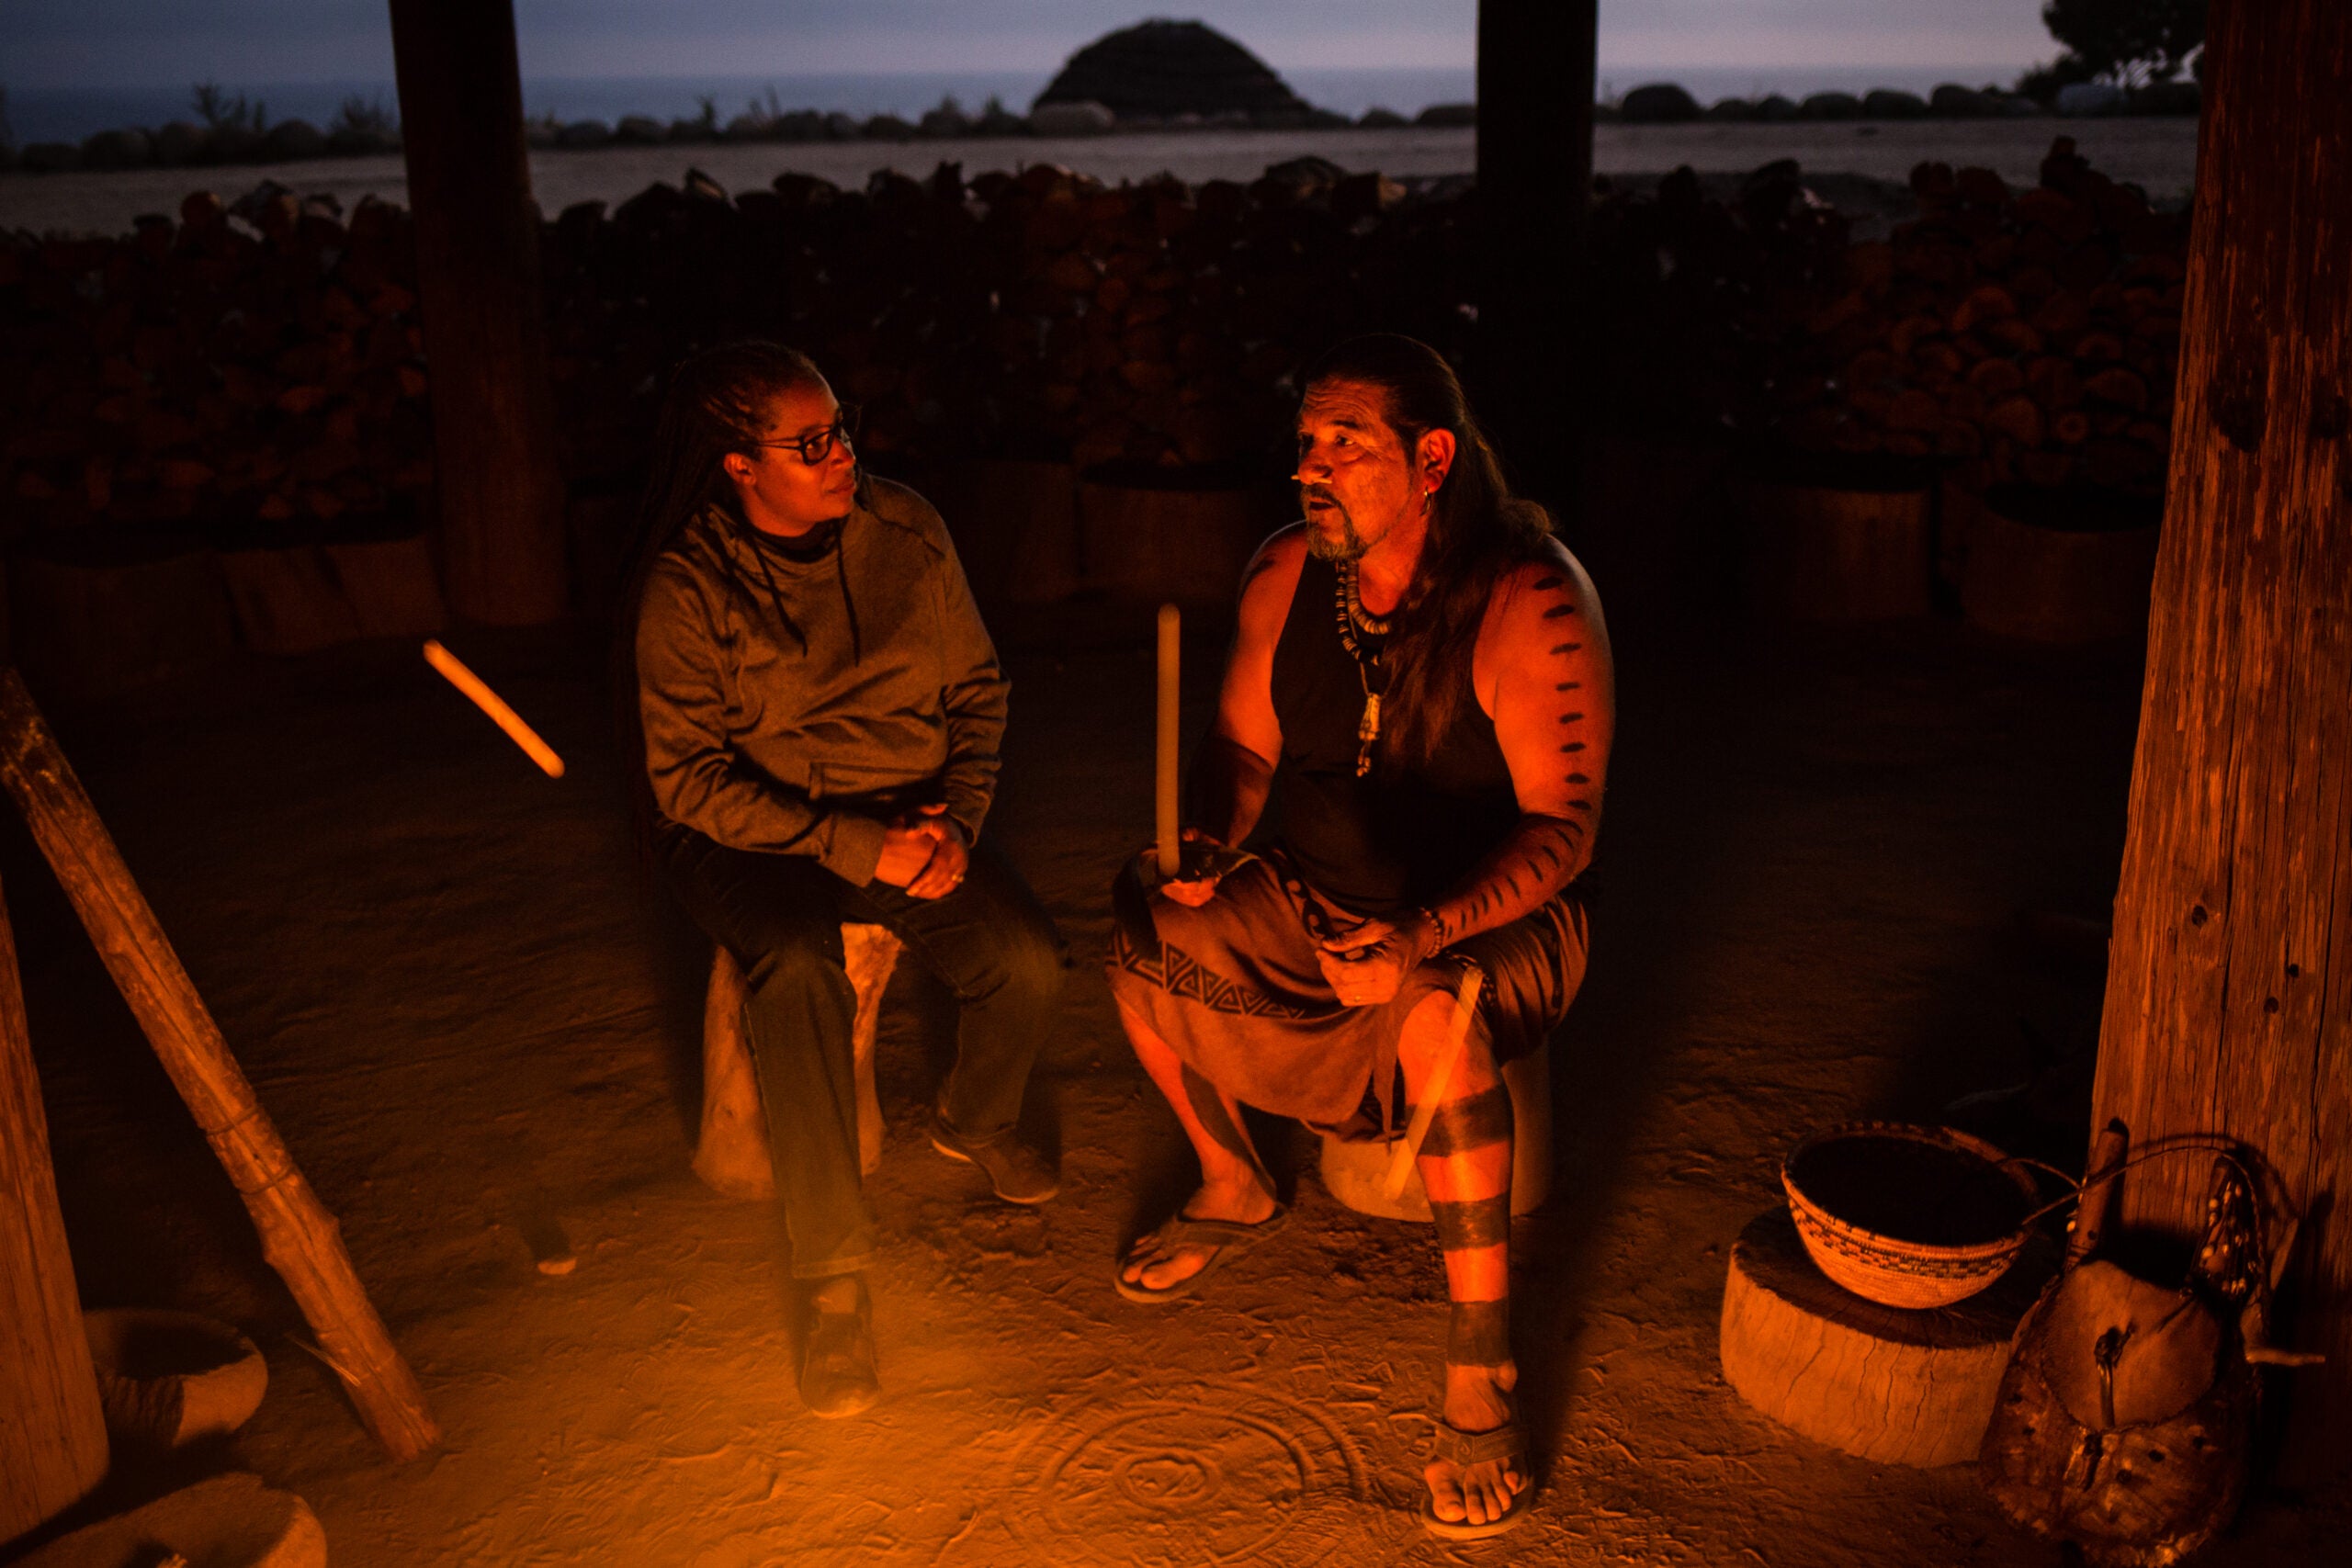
<point x="1350" y="546"/>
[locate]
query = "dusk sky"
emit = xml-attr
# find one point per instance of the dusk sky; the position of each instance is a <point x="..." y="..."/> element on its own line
<point x="122" y="44"/>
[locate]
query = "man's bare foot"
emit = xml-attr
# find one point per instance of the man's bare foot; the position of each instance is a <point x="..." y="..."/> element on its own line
<point x="1477" y="1399"/>
<point x="1154" y="1267"/>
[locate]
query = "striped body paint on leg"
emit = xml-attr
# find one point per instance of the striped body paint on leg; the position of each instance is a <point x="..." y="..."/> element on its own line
<point x="1464" y="1165"/>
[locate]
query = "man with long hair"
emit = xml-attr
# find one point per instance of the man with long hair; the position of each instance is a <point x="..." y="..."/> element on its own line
<point x="820" y="710"/>
<point x="1423" y="667"/>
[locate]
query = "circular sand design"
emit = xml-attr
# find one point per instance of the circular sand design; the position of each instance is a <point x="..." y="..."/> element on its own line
<point x="1227" y="1475"/>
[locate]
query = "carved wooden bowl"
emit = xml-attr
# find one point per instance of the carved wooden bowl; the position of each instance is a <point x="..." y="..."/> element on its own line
<point x="1907" y="1216"/>
<point x="169" y="1377"/>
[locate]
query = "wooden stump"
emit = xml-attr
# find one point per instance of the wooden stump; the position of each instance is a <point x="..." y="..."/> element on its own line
<point x="600" y="523"/>
<point x="391" y="586"/>
<point x="731" y="1155"/>
<point x="1817" y="552"/>
<point x="1357" y="1174"/>
<point x="1958" y="506"/>
<point x="52" y="1433"/>
<point x="302" y="598"/>
<point x="93" y="626"/>
<point x="1188" y="545"/>
<point x="2025" y="578"/>
<point x="1882" y="1383"/>
<point x="288" y="600"/>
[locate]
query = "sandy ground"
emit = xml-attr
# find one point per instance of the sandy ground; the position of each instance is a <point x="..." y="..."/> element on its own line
<point x="2159" y="154"/>
<point x="474" y="1033"/>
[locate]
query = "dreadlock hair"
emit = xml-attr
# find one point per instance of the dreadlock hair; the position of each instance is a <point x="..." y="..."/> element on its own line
<point x="1477" y="531"/>
<point x="717" y="402"/>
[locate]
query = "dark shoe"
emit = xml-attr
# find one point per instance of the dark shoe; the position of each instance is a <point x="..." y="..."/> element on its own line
<point x="837" y="1375"/>
<point x="1018" y="1172"/>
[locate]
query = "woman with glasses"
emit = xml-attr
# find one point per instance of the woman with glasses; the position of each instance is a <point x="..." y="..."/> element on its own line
<point x="820" y="711"/>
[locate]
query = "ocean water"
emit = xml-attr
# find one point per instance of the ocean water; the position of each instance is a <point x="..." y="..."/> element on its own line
<point x="71" y="114"/>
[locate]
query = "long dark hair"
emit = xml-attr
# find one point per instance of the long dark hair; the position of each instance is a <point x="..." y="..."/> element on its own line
<point x="1477" y="531"/>
<point x="717" y="402"/>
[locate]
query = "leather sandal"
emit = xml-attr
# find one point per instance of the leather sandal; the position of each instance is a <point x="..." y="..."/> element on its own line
<point x="1222" y="1237"/>
<point x="1465" y="1450"/>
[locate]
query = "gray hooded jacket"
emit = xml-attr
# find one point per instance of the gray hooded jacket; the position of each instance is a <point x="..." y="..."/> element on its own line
<point x="794" y="706"/>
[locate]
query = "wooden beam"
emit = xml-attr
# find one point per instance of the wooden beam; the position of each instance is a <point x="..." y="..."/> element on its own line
<point x="1535" y="81"/>
<point x="52" y="1434"/>
<point x="2229" y="998"/>
<point x="496" y="472"/>
<point x="298" y="1237"/>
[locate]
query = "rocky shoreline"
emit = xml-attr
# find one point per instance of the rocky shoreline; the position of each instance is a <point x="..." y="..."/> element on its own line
<point x="2156" y="154"/>
<point x="237" y="133"/>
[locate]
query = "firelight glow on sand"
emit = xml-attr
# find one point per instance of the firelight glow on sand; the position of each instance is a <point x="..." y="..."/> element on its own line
<point x="453" y="670"/>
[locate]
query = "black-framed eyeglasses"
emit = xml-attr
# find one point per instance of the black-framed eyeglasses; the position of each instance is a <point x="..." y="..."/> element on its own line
<point x="814" y="449"/>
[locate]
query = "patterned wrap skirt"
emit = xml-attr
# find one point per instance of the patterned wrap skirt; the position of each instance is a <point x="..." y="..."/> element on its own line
<point x="1235" y="989"/>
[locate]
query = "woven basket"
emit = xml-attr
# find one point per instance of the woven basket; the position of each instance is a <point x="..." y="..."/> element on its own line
<point x="1893" y="1270"/>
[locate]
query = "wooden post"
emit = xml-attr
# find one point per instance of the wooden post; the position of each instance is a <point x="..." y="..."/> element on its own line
<point x="1166" y="834"/>
<point x="1536" y="80"/>
<point x="2229" y="996"/>
<point x="52" y="1434"/>
<point x="298" y="1237"/>
<point x="500" y="487"/>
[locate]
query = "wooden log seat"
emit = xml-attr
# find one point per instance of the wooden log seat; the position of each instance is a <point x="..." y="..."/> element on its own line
<point x="1357" y="1174"/>
<point x="1857" y="550"/>
<point x="299" y="599"/>
<point x="731" y="1155"/>
<point x="2061" y="567"/>
<point x="99" y="616"/>
<point x="1882" y="1384"/>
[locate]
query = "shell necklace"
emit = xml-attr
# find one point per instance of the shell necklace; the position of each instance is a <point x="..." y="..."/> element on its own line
<point x="1356" y="621"/>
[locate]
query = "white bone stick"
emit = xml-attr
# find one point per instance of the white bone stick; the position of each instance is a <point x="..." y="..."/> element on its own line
<point x="1466" y="1002"/>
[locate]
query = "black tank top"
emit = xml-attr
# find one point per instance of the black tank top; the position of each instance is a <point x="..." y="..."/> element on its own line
<point x="1396" y="837"/>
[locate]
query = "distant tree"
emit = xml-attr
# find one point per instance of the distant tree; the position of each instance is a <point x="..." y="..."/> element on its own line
<point x="2128" y="42"/>
<point x="2041" y="83"/>
<point x="365" y="117"/>
<point x="218" y="109"/>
